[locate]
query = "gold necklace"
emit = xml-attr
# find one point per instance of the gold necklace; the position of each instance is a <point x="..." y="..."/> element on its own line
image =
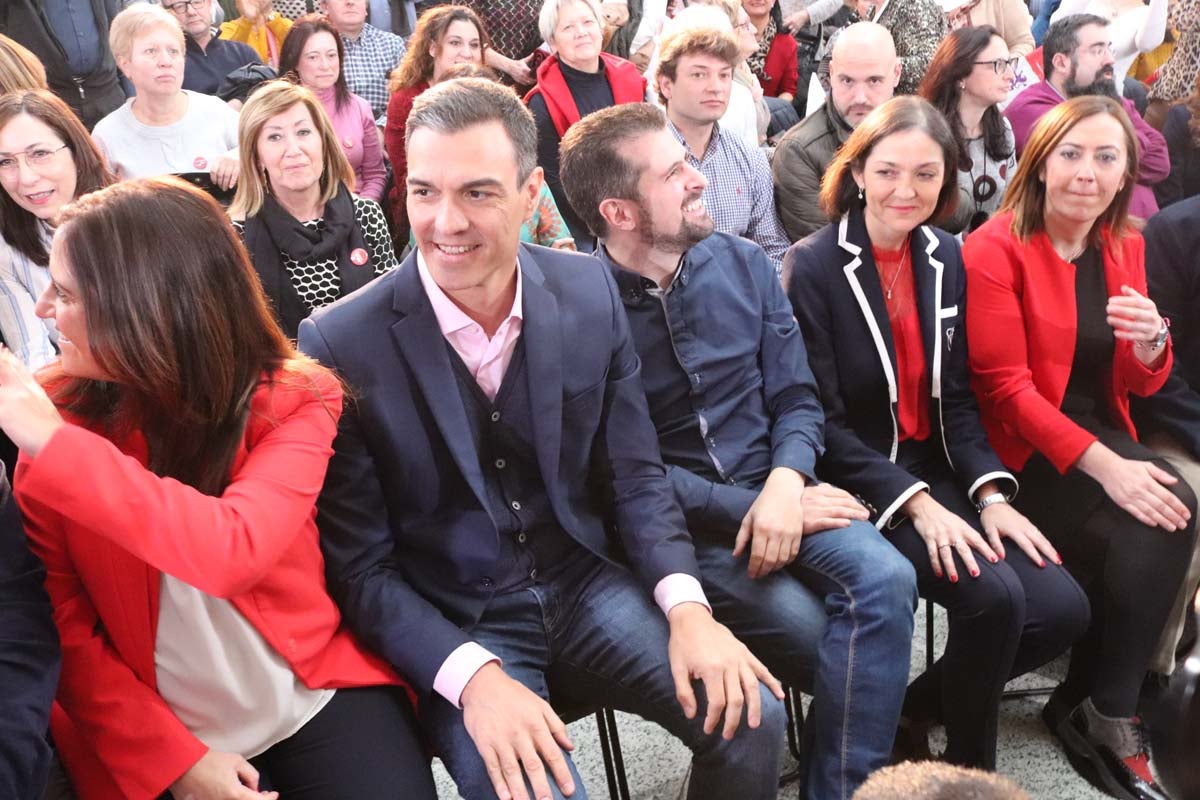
<point x="899" y="269"/>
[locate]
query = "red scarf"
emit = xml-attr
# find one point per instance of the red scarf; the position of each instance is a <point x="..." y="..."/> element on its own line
<point x="628" y="86"/>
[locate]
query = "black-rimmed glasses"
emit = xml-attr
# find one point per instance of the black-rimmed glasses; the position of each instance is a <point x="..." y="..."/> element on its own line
<point x="1001" y="64"/>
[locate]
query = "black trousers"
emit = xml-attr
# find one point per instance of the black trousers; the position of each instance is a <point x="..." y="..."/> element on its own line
<point x="1014" y="617"/>
<point x="1131" y="572"/>
<point x="363" y="745"/>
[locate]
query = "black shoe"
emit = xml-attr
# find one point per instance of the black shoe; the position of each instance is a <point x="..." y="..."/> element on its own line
<point x="912" y="742"/>
<point x="1125" y="778"/>
<point x="1056" y="710"/>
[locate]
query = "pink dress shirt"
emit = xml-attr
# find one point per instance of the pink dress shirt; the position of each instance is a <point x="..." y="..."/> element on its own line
<point x="487" y="360"/>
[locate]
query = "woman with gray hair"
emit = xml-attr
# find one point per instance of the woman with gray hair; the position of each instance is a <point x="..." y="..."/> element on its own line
<point x="164" y="129"/>
<point x="577" y="79"/>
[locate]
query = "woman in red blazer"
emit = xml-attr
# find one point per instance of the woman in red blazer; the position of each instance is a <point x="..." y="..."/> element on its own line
<point x="1060" y="332"/>
<point x="169" y="482"/>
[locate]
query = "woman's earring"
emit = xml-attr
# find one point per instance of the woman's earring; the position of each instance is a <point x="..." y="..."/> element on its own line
<point x="860" y="194"/>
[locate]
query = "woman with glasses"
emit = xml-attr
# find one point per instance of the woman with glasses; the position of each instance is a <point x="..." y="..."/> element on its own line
<point x="313" y="55"/>
<point x="1061" y="334"/>
<point x="970" y="74"/>
<point x="164" y="129"/>
<point x="880" y="297"/>
<point x="47" y="160"/>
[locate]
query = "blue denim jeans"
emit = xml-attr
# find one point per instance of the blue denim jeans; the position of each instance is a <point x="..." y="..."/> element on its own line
<point x="837" y="622"/>
<point x="590" y="634"/>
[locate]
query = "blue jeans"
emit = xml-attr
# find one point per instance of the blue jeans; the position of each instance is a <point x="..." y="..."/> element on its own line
<point x="590" y="634"/>
<point x="838" y="622"/>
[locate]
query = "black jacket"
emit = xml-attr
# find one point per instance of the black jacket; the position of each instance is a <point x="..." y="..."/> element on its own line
<point x="835" y="292"/>
<point x="29" y="659"/>
<point x="91" y="96"/>
<point x="1173" y="277"/>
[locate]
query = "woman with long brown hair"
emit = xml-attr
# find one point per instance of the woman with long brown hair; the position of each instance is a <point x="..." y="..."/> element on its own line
<point x="168" y="477"/>
<point x="1061" y="333"/>
<point x="971" y="73"/>
<point x="47" y="159"/>
<point x="445" y="36"/>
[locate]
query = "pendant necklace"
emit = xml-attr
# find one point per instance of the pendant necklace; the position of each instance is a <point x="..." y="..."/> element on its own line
<point x="899" y="269"/>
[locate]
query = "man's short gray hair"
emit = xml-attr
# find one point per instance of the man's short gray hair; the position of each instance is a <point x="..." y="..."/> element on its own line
<point x="456" y="105"/>
<point x="548" y="18"/>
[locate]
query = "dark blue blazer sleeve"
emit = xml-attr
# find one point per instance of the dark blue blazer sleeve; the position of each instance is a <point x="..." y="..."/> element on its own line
<point x="1172" y="275"/>
<point x="29" y="660"/>
<point x="358" y="543"/>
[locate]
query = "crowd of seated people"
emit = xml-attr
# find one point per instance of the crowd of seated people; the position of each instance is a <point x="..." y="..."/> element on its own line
<point x="378" y="470"/>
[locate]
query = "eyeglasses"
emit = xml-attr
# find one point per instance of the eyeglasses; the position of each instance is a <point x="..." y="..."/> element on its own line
<point x="999" y="65"/>
<point x="33" y="158"/>
<point x="183" y="5"/>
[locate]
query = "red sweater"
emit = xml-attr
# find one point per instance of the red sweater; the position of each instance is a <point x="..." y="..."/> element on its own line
<point x="107" y="539"/>
<point x="1021" y="320"/>
<point x="781" y="71"/>
<point x="399" y="107"/>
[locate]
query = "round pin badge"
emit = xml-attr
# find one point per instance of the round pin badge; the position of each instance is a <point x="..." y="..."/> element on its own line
<point x="200" y="163"/>
<point x="358" y="256"/>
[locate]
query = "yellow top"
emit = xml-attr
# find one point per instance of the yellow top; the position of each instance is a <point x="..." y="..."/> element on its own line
<point x="259" y="36"/>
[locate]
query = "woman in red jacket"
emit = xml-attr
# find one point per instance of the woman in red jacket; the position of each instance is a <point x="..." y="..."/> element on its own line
<point x="445" y="37"/>
<point x="1060" y="333"/>
<point x="169" y="483"/>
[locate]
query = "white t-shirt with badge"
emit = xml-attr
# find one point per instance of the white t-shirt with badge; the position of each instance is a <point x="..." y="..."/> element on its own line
<point x="207" y="131"/>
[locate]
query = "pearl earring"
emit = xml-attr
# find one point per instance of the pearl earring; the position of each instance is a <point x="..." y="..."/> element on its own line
<point x="860" y="194"/>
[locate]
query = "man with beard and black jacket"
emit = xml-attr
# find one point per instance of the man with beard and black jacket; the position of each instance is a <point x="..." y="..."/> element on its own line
<point x="70" y="38"/>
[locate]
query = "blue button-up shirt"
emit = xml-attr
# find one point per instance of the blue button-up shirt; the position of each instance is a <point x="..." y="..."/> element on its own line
<point x="741" y="194"/>
<point x="726" y="376"/>
<point x="74" y="26"/>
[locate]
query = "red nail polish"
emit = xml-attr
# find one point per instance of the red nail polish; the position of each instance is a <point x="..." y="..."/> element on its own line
<point x="954" y="579"/>
<point x="974" y="573"/>
<point x="937" y="573"/>
<point x="993" y="559"/>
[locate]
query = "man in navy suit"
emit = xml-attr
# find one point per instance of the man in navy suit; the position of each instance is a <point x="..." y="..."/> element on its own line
<point x="497" y="520"/>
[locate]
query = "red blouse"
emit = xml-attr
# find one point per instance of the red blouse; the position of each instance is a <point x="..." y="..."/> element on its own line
<point x="912" y="372"/>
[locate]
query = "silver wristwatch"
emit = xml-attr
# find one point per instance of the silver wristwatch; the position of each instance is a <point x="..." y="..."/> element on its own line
<point x="990" y="500"/>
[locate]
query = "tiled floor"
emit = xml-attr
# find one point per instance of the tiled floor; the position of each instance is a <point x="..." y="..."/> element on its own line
<point x="657" y="764"/>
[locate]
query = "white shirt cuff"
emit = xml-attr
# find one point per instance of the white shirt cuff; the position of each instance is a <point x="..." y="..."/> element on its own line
<point x="458" y="669"/>
<point x="676" y="588"/>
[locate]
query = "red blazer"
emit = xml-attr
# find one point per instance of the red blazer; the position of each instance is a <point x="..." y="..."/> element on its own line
<point x="399" y="107"/>
<point x="781" y="71"/>
<point x="1021" y="340"/>
<point x="107" y="528"/>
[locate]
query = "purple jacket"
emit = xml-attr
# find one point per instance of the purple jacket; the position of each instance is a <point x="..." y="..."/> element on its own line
<point x="1154" y="162"/>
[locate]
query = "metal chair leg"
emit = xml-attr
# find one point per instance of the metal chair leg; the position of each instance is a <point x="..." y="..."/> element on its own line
<point x="610" y="747"/>
<point x="795" y="728"/>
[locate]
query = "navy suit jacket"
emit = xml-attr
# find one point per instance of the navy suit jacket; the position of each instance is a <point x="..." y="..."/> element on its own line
<point x="29" y="659"/>
<point x="835" y="292"/>
<point x="405" y="528"/>
<point x="1173" y="278"/>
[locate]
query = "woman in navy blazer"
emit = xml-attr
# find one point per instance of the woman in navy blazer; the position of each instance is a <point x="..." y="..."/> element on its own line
<point x="880" y="297"/>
